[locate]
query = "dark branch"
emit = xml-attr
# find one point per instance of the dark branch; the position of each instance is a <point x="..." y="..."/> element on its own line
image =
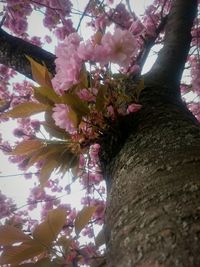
<point x="171" y="59"/>
<point x="151" y="42"/>
<point x="13" y="53"/>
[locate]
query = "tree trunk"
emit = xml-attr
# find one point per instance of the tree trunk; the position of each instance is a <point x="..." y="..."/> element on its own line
<point x="153" y="212"/>
<point x="153" y="167"/>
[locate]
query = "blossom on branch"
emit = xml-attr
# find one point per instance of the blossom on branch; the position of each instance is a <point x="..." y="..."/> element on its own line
<point x="61" y="117"/>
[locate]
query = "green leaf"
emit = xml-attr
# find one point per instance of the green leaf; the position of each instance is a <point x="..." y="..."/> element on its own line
<point x="46" y="232"/>
<point x="83" y="218"/>
<point x="40" y="73"/>
<point x="10" y="235"/>
<point x="27" y="147"/>
<point x="25" y="110"/>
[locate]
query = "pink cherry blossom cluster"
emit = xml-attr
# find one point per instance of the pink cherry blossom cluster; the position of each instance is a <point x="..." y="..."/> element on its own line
<point x="119" y="47"/>
<point x="16" y="16"/>
<point x="62" y="119"/>
<point x="6" y="206"/>
<point x="56" y="13"/>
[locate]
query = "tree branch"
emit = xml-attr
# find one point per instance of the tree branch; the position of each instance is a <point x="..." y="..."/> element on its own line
<point x="151" y="42"/>
<point x="13" y="51"/>
<point x="169" y="65"/>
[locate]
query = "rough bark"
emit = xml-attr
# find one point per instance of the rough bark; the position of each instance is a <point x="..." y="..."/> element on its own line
<point x="13" y="51"/>
<point x="153" y="212"/>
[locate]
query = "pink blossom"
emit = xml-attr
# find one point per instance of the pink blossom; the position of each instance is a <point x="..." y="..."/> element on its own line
<point x="133" y="108"/>
<point x="85" y="50"/>
<point x="36" y="125"/>
<point x="86" y="95"/>
<point x="137" y="27"/>
<point x="118" y="48"/>
<point x="109" y="2"/>
<point x="121" y="16"/>
<point x="63" y="31"/>
<point x="111" y="111"/>
<point x="121" y="46"/>
<point x="101" y="22"/>
<point x="61" y="118"/>
<point x="94" y="151"/>
<point x="48" y="39"/>
<point x="135" y="69"/>
<point x="18" y="132"/>
<point x="68" y="64"/>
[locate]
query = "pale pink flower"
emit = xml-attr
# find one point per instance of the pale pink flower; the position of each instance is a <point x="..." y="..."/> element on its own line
<point x="111" y="111"/>
<point x="48" y="39"/>
<point x="135" y="69"/>
<point x="109" y="2"/>
<point x="133" y="108"/>
<point x="94" y="152"/>
<point x="121" y="46"/>
<point x="68" y="64"/>
<point x="137" y="27"/>
<point x="89" y="51"/>
<point x="86" y="94"/>
<point x="101" y="22"/>
<point x="61" y="118"/>
<point x="85" y="50"/>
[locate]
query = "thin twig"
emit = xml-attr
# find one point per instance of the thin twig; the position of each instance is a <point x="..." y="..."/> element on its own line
<point x="83" y="15"/>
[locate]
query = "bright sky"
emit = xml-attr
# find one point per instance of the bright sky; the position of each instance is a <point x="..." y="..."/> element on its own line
<point x="17" y="187"/>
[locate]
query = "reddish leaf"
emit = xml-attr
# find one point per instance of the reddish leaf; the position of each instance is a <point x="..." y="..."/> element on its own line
<point x="10" y="235"/>
<point x="17" y="254"/>
<point x="40" y="73"/>
<point x="48" y="167"/>
<point x="52" y="129"/>
<point x="25" y="110"/>
<point x="46" y="232"/>
<point x="83" y="218"/>
<point x="100" y="99"/>
<point x="44" y="153"/>
<point x="46" y="95"/>
<point x="27" y="147"/>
